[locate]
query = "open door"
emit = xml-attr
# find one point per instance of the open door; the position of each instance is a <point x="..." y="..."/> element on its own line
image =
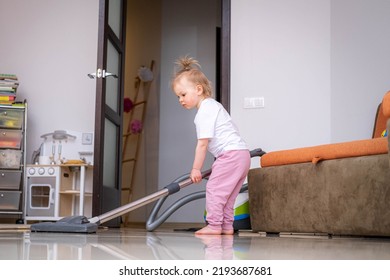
<point x="109" y="96"/>
<point x="109" y="108"/>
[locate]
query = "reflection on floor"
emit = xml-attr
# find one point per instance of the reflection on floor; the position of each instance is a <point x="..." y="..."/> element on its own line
<point x="170" y="244"/>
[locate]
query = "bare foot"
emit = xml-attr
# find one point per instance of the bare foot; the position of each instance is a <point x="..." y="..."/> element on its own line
<point x="228" y="232"/>
<point x="208" y="231"/>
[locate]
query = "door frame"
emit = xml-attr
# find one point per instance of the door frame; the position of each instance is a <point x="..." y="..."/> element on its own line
<point x="98" y="200"/>
<point x="225" y="53"/>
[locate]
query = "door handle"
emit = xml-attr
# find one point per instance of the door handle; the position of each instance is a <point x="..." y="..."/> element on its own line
<point x="102" y="74"/>
<point x="92" y="75"/>
<point x="52" y="196"/>
<point x="107" y="74"/>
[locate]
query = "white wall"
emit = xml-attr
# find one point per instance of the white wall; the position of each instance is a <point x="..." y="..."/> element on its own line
<point x="280" y="51"/>
<point x="51" y="45"/>
<point x="322" y="67"/>
<point x="360" y="60"/>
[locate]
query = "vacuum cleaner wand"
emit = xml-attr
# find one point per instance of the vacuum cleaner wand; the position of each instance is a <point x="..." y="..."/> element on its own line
<point x="168" y="190"/>
<point x="81" y="224"/>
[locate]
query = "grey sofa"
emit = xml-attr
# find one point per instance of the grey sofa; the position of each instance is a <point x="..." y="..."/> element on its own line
<point x="340" y="194"/>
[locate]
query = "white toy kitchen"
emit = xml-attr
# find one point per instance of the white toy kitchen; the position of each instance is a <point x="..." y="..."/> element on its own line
<point x="59" y="181"/>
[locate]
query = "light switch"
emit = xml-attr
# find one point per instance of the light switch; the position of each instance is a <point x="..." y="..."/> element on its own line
<point x="253" y="102"/>
<point x="86" y="139"/>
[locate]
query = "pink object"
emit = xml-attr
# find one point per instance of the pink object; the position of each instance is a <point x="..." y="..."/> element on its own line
<point x="136" y="126"/>
<point x="127" y="105"/>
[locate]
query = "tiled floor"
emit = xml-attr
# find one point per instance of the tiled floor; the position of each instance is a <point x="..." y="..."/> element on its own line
<point x="170" y="244"/>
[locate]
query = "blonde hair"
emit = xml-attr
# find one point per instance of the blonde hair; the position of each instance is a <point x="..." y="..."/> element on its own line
<point x="190" y="68"/>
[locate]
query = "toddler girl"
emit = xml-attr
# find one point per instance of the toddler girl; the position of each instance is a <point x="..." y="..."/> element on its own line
<point x="217" y="134"/>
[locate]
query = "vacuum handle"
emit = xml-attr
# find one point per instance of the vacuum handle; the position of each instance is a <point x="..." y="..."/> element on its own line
<point x="187" y="182"/>
<point x="256" y="153"/>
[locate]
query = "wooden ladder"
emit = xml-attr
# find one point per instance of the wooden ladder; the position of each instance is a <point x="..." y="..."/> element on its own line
<point x="134" y="136"/>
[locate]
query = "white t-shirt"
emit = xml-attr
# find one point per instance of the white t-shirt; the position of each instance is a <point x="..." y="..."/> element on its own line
<point x="212" y="121"/>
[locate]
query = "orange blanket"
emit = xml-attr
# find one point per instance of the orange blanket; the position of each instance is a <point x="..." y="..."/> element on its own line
<point x="329" y="151"/>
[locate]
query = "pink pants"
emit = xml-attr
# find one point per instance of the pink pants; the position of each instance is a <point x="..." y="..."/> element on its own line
<point x="228" y="173"/>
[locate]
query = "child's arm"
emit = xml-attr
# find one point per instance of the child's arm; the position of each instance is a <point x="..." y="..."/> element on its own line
<point x="200" y="155"/>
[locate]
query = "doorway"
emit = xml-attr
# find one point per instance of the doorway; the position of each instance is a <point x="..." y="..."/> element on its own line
<point x="159" y="32"/>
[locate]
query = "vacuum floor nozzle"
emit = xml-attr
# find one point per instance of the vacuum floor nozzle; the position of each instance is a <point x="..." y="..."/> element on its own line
<point x="73" y="224"/>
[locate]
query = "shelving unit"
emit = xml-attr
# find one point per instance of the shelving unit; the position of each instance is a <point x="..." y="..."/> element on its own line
<point x="12" y="159"/>
<point x="74" y="195"/>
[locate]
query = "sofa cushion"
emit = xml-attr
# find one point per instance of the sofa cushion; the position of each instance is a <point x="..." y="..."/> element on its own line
<point x="386" y="105"/>
<point x="324" y="152"/>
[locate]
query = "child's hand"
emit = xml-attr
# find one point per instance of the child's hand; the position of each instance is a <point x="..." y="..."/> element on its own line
<point x="196" y="176"/>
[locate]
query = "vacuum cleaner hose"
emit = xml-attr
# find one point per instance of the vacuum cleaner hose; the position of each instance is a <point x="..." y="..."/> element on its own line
<point x="154" y="222"/>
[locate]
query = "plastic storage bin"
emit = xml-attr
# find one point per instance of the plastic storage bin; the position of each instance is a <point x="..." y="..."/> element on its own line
<point x="9" y="200"/>
<point x="10" y="179"/>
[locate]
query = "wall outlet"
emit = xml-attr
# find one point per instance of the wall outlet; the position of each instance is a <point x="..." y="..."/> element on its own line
<point x="87" y="139"/>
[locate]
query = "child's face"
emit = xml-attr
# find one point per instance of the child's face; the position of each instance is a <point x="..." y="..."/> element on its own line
<point x="190" y="95"/>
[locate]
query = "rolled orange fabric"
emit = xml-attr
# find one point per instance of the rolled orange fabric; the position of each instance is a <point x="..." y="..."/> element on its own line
<point x="324" y="152"/>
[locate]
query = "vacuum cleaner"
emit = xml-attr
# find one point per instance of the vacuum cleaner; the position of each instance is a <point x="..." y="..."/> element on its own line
<point x="81" y="224"/>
